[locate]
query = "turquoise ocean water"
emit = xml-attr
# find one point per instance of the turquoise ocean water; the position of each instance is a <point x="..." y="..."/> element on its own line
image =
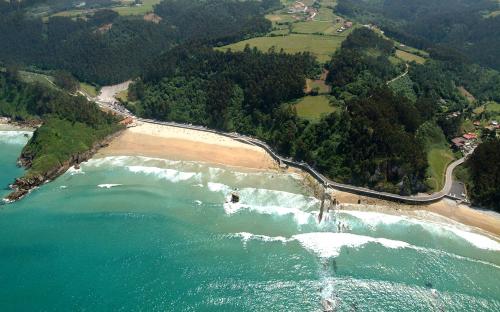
<point x="142" y="234"/>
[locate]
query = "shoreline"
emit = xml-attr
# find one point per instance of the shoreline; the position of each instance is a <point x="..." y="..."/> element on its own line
<point x="174" y="143"/>
<point x="187" y="145"/>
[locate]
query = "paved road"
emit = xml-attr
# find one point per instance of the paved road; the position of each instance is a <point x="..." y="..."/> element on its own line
<point x="416" y="200"/>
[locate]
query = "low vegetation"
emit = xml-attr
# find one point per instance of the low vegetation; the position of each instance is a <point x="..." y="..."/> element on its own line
<point x="312" y="108"/>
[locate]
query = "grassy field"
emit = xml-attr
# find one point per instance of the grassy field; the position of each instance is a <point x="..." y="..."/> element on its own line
<point x="313" y="108"/>
<point x="31" y="77"/>
<point x="122" y="95"/>
<point x="438" y="157"/>
<point x="409" y="57"/>
<point x="320" y="46"/>
<point x="89" y="89"/>
<point x="315" y="27"/>
<point x="124" y="8"/>
<point x="146" y="7"/>
<point x="493" y="107"/>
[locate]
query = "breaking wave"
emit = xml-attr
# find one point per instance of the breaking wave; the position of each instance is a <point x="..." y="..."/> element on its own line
<point x="15" y="137"/>
<point x="373" y="219"/>
<point x="167" y="174"/>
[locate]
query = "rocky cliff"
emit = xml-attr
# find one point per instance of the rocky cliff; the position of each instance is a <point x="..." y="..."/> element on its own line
<point x="24" y="185"/>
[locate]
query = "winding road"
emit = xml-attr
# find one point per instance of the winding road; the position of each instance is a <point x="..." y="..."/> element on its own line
<point x="108" y="103"/>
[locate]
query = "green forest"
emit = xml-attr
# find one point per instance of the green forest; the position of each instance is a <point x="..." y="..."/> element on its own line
<point x="483" y="168"/>
<point x="70" y="124"/>
<point x="106" y="48"/>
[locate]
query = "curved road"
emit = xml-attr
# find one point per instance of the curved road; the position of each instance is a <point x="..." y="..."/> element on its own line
<point x="415" y="200"/>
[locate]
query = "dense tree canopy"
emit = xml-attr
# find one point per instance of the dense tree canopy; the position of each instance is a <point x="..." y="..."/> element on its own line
<point x="106" y="48"/>
<point x="484" y="169"/>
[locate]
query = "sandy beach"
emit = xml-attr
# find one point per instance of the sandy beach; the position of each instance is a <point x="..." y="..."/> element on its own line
<point x="174" y="143"/>
<point x="184" y="144"/>
<point x="481" y="220"/>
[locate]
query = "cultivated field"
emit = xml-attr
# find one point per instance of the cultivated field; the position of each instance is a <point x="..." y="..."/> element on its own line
<point x="313" y="108"/>
<point x="320" y="46"/>
<point x="294" y="33"/>
<point x="409" y="57"/>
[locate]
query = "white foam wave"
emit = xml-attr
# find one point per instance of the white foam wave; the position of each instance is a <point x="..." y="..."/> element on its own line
<point x="374" y="218"/>
<point x="167" y="174"/>
<point x="245" y="237"/>
<point x="218" y="187"/>
<point x="478" y="240"/>
<point x="326" y="244"/>
<point x="72" y="171"/>
<point x="15" y="137"/>
<point x="198" y="202"/>
<point x="108" y="186"/>
<point x="300" y="216"/>
<point x="429" y="224"/>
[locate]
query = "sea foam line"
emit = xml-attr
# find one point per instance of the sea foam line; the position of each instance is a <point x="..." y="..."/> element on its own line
<point x="325" y="244"/>
<point x="443" y="229"/>
<point x="108" y="186"/>
<point x="15" y="137"/>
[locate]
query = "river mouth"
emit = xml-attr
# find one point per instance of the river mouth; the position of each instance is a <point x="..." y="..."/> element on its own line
<point x="146" y="233"/>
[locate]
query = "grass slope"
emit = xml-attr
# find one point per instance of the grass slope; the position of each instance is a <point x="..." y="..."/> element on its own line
<point x="312" y="108"/>
<point x="320" y="46"/>
<point x="439" y="157"/>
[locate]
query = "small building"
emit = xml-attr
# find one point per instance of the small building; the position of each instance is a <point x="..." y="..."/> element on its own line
<point x="347" y="24"/>
<point x="458" y="142"/>
<point x="477" y="123"/>
<point x="470" y="136"/>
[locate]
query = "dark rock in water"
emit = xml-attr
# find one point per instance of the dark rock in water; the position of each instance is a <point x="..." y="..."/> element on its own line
<point x="77" y="166"/>
<point x="428" y="284"/>
<point x="235" y="197"/>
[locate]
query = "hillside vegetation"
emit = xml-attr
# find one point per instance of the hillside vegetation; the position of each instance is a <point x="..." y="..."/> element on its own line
<point x="105" y="48"/>
<point x="70" y="124"/>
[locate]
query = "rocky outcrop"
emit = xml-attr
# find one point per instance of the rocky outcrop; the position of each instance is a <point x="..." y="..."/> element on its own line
<point x="24" y="185"/>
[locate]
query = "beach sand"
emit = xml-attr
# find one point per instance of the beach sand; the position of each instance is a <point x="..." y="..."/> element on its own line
<point x="481" y="220"/>
<point x="184" y="144"/>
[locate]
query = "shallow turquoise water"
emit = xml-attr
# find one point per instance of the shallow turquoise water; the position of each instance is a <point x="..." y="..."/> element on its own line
<point x="131" y="233"/>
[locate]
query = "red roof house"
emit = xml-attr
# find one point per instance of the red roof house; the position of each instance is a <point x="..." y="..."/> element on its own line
<point x="470" y="136"/>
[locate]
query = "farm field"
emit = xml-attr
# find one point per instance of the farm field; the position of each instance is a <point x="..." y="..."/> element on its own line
<point x="313" y="108"/>
<point x="409" y="57"/>
<point x="438" y="157"/>
<point x="146" y="7"/>
<point x="315" y="27"/>
<point x="320" y="46"/>
<point x="123" y="9"/>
